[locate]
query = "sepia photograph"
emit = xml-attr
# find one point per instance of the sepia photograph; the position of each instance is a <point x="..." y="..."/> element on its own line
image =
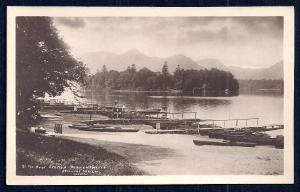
<point x="155" y="95"/>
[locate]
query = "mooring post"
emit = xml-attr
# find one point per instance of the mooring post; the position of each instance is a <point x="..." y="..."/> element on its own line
<point x="195" y="115"/>
<point x="246" y="122"/>
<point x="182" y="115"/>
<point x="257" y="121"/>
<point x="58" y="128"/>
<point x="224" y="123"/>
<point x="236" y="122"/>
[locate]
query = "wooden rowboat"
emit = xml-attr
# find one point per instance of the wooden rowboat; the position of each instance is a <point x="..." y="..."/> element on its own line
<point x="224" y="143"/>
<point x="103" y="129"/>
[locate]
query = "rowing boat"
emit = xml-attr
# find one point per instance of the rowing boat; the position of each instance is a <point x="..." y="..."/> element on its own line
<point x="103" y="129"/>
<point x="224" y="143"/>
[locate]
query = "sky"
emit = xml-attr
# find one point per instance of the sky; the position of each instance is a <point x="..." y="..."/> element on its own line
<point x="253" y="42"/>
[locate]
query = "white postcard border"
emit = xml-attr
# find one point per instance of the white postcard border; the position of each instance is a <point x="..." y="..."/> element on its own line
<point x="288" y="49"/>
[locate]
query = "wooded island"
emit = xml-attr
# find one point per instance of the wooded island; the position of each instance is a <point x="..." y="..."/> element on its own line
<point x="205" y="82"/>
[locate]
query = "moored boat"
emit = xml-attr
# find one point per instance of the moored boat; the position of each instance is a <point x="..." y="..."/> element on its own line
<point x="103" y="128"/>
<point x="224" y="143"/>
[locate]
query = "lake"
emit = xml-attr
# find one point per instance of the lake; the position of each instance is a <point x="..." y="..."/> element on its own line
<point x="268" y="108"/>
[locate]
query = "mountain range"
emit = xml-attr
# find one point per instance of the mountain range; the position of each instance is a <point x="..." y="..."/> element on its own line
<point x="120" y="62"/>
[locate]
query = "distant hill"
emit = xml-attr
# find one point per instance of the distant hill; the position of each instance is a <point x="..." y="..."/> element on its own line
<point x="212" y="63"/>
<point x="183" y="61"/>
<point x="243" y="73"/>
<point x="120" y="62"/>
<point x="273" y="72"/>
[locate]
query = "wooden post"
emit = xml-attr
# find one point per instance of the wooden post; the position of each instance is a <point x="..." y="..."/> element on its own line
<point x="157" y="126"/>
<point x="182" y="115"/>
<point x="236" y="122"/>
<point x="173" y="115"/>
<point x="58" y="128"/>
<point x="257" y="121"/>
<point x="246" y="122"/>
<point x="224" y="123"/>
<point x="195" y="115"/>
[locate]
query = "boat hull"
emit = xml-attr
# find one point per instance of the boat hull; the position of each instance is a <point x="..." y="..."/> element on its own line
<point x="224" y="143"/>
<point x="103" y="129"/>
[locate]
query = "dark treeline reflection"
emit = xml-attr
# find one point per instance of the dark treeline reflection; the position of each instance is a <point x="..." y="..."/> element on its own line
<point x="148" y="101"/>
<point x="205" y="82"/>
<point x="268" y="108"/>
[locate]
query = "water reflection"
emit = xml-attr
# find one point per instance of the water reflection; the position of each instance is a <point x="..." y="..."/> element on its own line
<point x="268" y="108"/>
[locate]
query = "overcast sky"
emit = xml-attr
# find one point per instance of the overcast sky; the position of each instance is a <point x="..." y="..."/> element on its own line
<point x="238" y="41"/>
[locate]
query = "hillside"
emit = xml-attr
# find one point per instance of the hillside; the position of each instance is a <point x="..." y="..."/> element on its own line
<point x="120" y="62"/>
<point x="273" y="72"/>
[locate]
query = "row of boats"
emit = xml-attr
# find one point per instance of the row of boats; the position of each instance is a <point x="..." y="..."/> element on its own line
<point x="241" y="137"/>
<point x="277" y="142"/>
<point x="246" y="137"/>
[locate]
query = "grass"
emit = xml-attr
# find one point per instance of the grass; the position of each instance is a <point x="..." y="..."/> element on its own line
<point x="45" y="155"/>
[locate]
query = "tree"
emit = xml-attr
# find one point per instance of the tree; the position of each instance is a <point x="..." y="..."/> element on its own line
<point x="132" y="76"/>
<point x="165" y="75"/>
<point x="178" y="78"/>
<point x="165" y="69"/>
<point x="142" y="77"/>
<point x="104" y="76"/>
<point x="104" y="70"/>
<point x="44" y="64"/>
<point x="205" y="82"/>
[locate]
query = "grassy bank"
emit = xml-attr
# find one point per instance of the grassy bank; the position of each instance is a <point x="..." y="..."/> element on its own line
<point x="42" y="155"/>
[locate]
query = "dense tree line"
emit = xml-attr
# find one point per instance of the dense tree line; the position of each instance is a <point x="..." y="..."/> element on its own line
<point x="43" y="65"/>
<point x="205" y="82"/>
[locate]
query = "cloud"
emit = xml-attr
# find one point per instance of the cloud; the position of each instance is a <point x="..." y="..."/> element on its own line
<point x="262" y="24"/>
<point x="239" y="41"/>
<point x="74" y="22"/>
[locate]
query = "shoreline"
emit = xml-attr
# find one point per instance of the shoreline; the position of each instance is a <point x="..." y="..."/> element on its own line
<point x="185" y="157"/>
<point x="172" y="154"/>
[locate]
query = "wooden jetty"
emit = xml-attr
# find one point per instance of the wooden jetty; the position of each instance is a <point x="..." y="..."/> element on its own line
<point x="57" y="107"/>
<point x="162" y="124"/>
<point x="224" y="121"/>
<point x="121" y="111"/>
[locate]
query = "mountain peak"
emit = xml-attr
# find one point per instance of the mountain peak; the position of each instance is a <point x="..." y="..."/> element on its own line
<point x="180" y="56"/>
<point x="209" y="63"/>
<point x="133" y="52"/>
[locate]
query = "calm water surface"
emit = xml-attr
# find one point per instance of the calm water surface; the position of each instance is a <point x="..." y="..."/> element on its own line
<point x="266" y="107"/>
